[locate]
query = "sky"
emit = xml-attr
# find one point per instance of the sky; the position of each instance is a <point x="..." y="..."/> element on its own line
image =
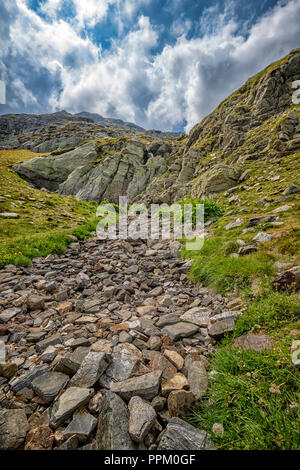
<point x="160" y="64"/>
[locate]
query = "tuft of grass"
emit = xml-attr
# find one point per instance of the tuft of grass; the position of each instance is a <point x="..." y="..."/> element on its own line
<point x="255" y="395"/>
<point x="272" y="311"/>
<point x="213" y="267"/>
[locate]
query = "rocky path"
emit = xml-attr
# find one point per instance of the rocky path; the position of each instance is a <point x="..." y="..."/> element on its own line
<point x="105" y="347"/>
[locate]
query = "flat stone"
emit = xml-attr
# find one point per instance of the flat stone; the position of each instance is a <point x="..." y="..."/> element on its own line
<point x="50" y="341"/>
<point x="49" y="354"/>
<point x="292" y="189"/>
<point x="92" y="367"/>
<point x="81" y="426"/>
<point x="13" y="428"/>
<point x="64" y="307"/>
<point x="197" y="316"/>
<point x="83" y="280"/>
<point x="221" y="327"/>
<point x="9" y="215"/>
<point x="284" y="208"/>
<point x="177" y="382"/>
<point x="2" y="352"/>
<point x="26" y="380"/>
<point x="145" y="386"/>
<point x="154" y="343"/>
<point x="160" y="362"/>
<point x="263" y="219"/>
<point x="295" y="350"/>
<point x="70" y="363"/>
<point x="174" y="358"/>
<point x="9" y="314"/>
<point x="234" y="224"/>
<point x="179" y="402"/>
<point x="180" y="330"/>
<point x="8" y="369"/>
<point x="36" y="336"/>
<point x="180" y="435"/>
<point x="77" y="342"/>
<point x="247" y="250"/>
<point x="48" y="385"/>
<point x="262" y="237"/>
<point x="147" y="309"/>
<point x="169" y="319"/>
<point x="40" y="438"/>
<point x="70" y="444"/>
<point x="142" y="418"/>
<point x="72" y="399"/>
<point x="113" y="424"/>
<point x="125" y="360"/>
<point x="102" y="345"/>
<point x="254" y="342"/>
<point x="35" y="302"/>
<point x="198" y="380"/>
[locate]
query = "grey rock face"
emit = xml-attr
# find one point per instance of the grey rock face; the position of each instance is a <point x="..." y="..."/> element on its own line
<point x="262" y="237"/>
<point x="180" y="330"/>
<point x="81" y="426"/>
<point x="184" y="436"/>
<point x="197" y="316"/>
<point x="142" y="418"/>
<point x="9" y="314"/>
<point x="197" y="377"/>
<point x="91" y="369"/>
<point x="26" y="380"/>
<point x="70" y="400"/>
<point x="50" y="171"/>
<point x="2" y="351"/>
<point x="145" y="386"/>
<point x="48" y="385"/>
<point x="126" y="358"/>
<point x="70" y="363"/>
<point x="13" y="429"/>
<point x="112" y="432"/>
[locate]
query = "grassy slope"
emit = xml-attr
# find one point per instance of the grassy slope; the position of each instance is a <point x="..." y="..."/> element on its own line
<point x="45" y="220"/>
<point x="255" y="395"/>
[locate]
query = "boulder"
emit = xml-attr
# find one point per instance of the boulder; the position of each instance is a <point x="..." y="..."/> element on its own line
<point x="180" y="435"/>
<point x="113" y="424"/>
<point x="142" y="418"/>
<point x="72" y="399"/>
<point x="81" y="426"/>
<point x="13" y="429"/>
<point x="92" y="367"/>
<point x="48" y="385"/>
<point x="146" y="386"/>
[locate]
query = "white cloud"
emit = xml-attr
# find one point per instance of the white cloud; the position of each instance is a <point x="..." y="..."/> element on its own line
<point x="184" y="82"/>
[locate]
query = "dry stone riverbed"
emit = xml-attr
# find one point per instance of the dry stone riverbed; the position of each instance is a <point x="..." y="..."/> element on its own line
<point x="106" y="347"/>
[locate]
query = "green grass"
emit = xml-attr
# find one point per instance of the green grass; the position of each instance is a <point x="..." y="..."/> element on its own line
<point x="255" y="395"/>
<point x="243" y="398"/>
<point x="45" y="221"/>
<point x="215" y="268"/>
<point x="22" y="250"/>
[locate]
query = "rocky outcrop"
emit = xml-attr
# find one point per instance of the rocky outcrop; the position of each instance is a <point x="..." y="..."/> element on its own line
<point x="259" y="121"/>
<point x="93" y="172"/>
